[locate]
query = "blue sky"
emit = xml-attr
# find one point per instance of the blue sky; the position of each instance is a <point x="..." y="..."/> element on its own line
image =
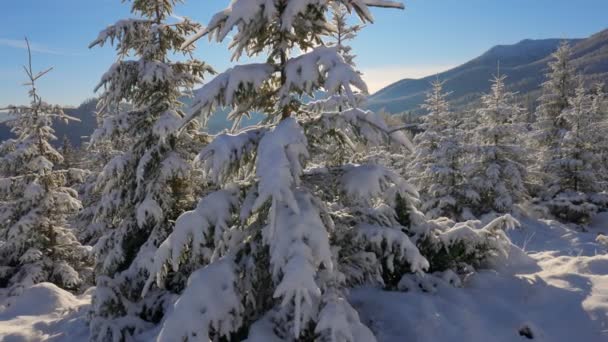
<point x="429" y="36"/>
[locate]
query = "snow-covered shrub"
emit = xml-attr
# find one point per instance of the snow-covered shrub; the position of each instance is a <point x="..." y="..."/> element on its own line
<point x="36" y="242"/>
<point x="465" y="246"/>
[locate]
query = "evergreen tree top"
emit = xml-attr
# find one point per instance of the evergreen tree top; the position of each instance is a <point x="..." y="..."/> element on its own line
<point x="437" y="107"/>
<point x="341" y="32"/>
<point x="560" y="83"/>
<point x="280" y="25"/>
<point x="498" y="105"/>
<point x="32" y="127"/>
<point x="278" y="29"/>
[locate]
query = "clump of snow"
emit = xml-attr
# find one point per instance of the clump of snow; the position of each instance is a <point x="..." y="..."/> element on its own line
<point x="279" y="163"/>
<point x="44" y="312"/>
<point x="299" y="246"/>
<point x="222" y="91"/>
<point x="194" y="231"/>
<point x="393" y="242"/>
<point x="339" y="321"/>
<point x="149" y="209"/>
<point x="207" y="304"/>
<point x="322" y="63"/>
<point x="226" y="152"/>
<point x="366" y="182"/>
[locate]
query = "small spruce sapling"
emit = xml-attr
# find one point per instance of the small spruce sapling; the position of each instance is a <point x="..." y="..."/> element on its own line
<point x="36" y="242"/>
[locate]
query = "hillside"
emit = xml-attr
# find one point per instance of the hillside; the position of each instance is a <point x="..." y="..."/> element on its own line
<point x="525" y="63"/>
<point x="78" y="132"/>
<point x="75" y="131"/>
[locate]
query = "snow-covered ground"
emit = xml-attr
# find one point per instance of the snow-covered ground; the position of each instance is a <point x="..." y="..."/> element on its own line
<point x="44" y="312"/>
<point x="556" y="291"/>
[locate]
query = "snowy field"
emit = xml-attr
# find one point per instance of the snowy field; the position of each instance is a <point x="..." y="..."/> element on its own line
<point x="554" y="288"/>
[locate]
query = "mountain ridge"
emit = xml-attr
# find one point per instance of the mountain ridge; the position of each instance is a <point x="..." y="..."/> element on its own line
<point x="524" y="63"/>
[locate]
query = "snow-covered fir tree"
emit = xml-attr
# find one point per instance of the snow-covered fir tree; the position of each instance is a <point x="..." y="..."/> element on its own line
<point x="550" y="126"/>
<point x="69" y="154"/>
<point x="144" y="188"/>
<point x="577" y="173"/>
<point x="580" y="163"/>
<point x="599" y="144"/>
<point x="565" y="182"/>
<point x="271" y="251"/>
<point x="436" y="169"/>
<point x="36" y="242"/>
<point x="499" y="165"/>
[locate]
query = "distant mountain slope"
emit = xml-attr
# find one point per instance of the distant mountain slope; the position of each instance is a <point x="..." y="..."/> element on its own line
<point x="75" y="131"/>
<point x="525" y="64"/>
<point x="78" y="132"/>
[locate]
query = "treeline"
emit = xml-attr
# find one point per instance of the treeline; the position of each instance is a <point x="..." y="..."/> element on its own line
<point x="553" y="159"/>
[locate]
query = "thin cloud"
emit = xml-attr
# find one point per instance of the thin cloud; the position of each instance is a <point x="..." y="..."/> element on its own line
<point x="380" y="77"/>
<point x="20" y="44"/>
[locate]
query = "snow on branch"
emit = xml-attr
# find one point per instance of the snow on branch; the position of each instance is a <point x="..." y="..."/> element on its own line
<point x="321" y="67"/>
<point x="339" y="321"/>
<point x="279" y="163"/>
<point x="225" y="153"/>
<point x="366" y="125"/>
<point x="243" y="14"/>
<point x="504" y="223"/>
<point x="224" y="89"/>
<point x="124" y="78"/>
<point x="299" y="246"/>
<point x="491" y="235"/>
<point x="167" y="123"/>
<point x="209" y="307"/>
<point x="126" y="29"/>
<point x="115" y="168"/>
<point x="361" y="7"/>
<point x="365" y="182"/>
<point x="390" y="243"/>
<point x="149" y="211"/>
<point x="195" y="231"/>
<point x="240" y="12"/>
<point x="334" y="103"/>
